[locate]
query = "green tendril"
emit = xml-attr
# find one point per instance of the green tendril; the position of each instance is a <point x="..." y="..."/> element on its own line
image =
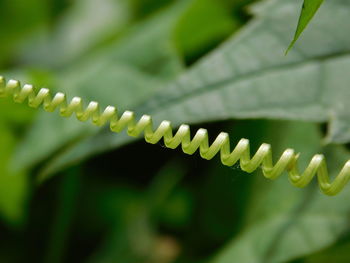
<point x="200" y="141"/>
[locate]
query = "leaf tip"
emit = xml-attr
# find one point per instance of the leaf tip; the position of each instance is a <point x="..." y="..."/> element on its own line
<point x="289" y="47"/>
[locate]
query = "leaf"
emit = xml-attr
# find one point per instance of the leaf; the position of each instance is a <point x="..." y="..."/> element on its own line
<point x="51" y="132"/>
<point x="282" y="222"/>
<point x="13" y="185"/>
<point x="143" y="8"/>
<point x="194" y="32"/>
<point x="83" y="26"/>
<point x="124" y="73"/>
<point x="130" y="69"/>
<point x="15" y="32"/>
<point x="339" y="253"/>
<point x="248" y="77"/>
<point x="308" y="11"/>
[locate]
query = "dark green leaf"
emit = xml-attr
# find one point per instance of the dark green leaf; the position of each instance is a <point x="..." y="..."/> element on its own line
<point x="282" y="222"/>
<point x="308" y="11"/>
<point x="248" y="77"/>
<point x="124" y="74"/>
<point x="13" y="185"/>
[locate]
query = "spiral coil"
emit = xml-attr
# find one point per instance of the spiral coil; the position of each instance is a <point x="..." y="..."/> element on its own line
<point x="262" y="158"/>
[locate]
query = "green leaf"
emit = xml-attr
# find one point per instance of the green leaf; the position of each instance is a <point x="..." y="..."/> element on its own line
<point x="124" y="73"/>
<point x="143" y="8"/>
<point x="51" y="132"/>
<point x="19" y="18"/>
<point x="13" y="185"/>
<point x="195" y="32"/>
<point x="249" y="77"/>
<point x="308" y="11"/>
<point x="283" y="223"/>
<point x="82" y="27"/>
<point x="131" y="69"/>
<point x="338" y="253"/>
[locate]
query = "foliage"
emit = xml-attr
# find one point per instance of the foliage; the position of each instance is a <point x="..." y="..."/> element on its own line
<point x="217" y="64"/>
<point x="308" y="10"/>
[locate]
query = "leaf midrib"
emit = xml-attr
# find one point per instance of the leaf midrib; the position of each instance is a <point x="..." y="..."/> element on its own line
<point x="169" y="101"/>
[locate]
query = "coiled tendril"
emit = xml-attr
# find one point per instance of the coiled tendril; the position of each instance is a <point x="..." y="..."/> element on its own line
<point x="241" y="152"/>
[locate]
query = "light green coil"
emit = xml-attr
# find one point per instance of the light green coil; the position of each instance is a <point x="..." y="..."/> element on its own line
<point x="240" y="153"/>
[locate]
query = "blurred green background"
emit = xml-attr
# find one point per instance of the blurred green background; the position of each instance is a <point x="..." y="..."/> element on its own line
<point x="108" y="198"/>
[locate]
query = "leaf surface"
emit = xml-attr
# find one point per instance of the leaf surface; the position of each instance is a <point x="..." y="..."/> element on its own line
<point x="249" y="77"/>
<point x="14" y="186"/>
<point x="308" y="11"/>
<point x="283" y="223"/>
<point x="124" y="73"/>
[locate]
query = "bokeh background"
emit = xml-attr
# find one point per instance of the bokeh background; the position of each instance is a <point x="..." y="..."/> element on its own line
<point x="104" y="198"/>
